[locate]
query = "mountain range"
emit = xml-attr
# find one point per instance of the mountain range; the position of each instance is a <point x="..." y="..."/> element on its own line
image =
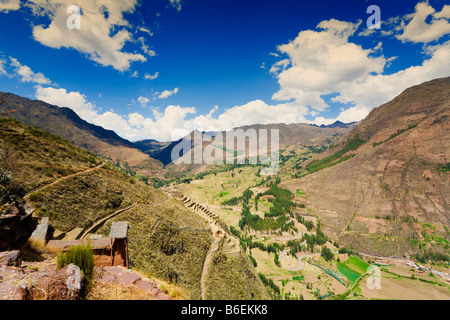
<point x="64" y="122"/>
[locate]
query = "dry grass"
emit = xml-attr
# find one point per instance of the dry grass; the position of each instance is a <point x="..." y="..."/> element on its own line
<point x="102" y="291"/>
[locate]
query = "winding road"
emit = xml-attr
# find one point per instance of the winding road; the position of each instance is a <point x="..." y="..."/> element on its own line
<point x="300" y="263"/>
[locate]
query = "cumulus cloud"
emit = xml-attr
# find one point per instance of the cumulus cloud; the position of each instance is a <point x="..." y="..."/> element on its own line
<point x="148" y="76"/>
<point x="103" y="33"/>
<point x="254" y="112"/>
<point x="323" y="62"/>
<point x="166" y="93"/>
<point x="279" y="65"/>
<point x="419" y="30"/>
<point x="26" y="74"/>
<point x="134" y="126"/>
<point x="9" y="5"/>
<point x="73" y="100"/>
<point x="373" y="90"/>
<point x="143" y="101"/>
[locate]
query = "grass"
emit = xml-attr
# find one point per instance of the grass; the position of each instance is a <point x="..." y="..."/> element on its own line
<point x="167" y="242"/>
<point x="233" y="278"/>
<point x="41" y="157"/>
<point x="81" y="256"/>
<point x="348" y="273"/>
<point x="299" y="278"/>
<point x="353" y="268"/>
<point x="357" y="264"/>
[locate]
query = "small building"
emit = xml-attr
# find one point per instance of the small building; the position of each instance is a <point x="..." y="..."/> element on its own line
<point x="111" y="251"/>
<point x="119" y="234"/>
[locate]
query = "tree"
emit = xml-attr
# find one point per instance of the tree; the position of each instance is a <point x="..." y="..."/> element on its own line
<point x="327" y="254"/>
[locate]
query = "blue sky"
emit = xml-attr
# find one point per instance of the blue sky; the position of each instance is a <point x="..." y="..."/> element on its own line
<point x="155" y="69"/>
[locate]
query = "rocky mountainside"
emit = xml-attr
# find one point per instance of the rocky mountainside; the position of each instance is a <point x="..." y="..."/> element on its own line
<point x="384" y="188"/>
<point x="67" y="124"/>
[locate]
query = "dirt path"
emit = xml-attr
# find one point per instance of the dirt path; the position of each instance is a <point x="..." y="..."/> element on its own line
<point x="214" y="247"/>
<point x="99" y="222"/>
<point x="214" y="227"/>
<point x="104" y="219"/>
<point x="64" y="178"/>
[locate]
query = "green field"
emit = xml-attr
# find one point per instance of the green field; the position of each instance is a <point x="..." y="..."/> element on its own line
<point x="348" y="273"/>
<point x="357" y="265"/>
<point x="353" y="268"/>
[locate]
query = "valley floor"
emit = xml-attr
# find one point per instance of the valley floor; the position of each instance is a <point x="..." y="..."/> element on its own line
<point x="308" y="275"/>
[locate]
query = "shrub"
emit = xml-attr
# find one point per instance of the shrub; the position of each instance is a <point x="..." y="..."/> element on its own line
<point x="81" y="256"/>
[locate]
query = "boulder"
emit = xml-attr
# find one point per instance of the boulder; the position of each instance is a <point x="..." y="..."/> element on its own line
<point x="65" y="284"/>
<point x="16" y="225"/>
<point x="43" y="233"/>
<point x="41" y="281"/>
<point x="10" y="258"/>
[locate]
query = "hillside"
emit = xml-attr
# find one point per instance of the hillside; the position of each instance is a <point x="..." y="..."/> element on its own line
<point x="75" y="190"/>
<point x="67" y="124"/>
<point x="387" y="181"/>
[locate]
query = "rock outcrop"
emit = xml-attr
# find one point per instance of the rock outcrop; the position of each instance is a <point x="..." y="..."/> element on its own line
<point x="41" y="281"/>
<point x="16" y="224"/>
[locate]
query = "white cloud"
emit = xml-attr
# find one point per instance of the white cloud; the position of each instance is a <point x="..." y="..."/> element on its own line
<point x="254" y="112"/>
<point x="86" y="110"/>
<point x="279" y="65"/>
<point x="7" y="5"/>
<point x="418" y="30"/>
<point x="374" y="90"/>
<point x="171" y="124"/>
<point x="2" y="67"/>
<point x="26" y="74"/>
<point x="143" y="101"/>
<point x="323" y="62"/>
<point x="135" y="74"/>
<point x="148" y="76"/>
<point x="176" y="4"/>
<point x="73" y="100"/>
<point x="166" y="93"/>
<point x="134" y="126"/>
<point x="367" y="32"/>
<point x="142" y="29"/>
<point x="101" y="36"/>
<point x="146" y="48"/>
